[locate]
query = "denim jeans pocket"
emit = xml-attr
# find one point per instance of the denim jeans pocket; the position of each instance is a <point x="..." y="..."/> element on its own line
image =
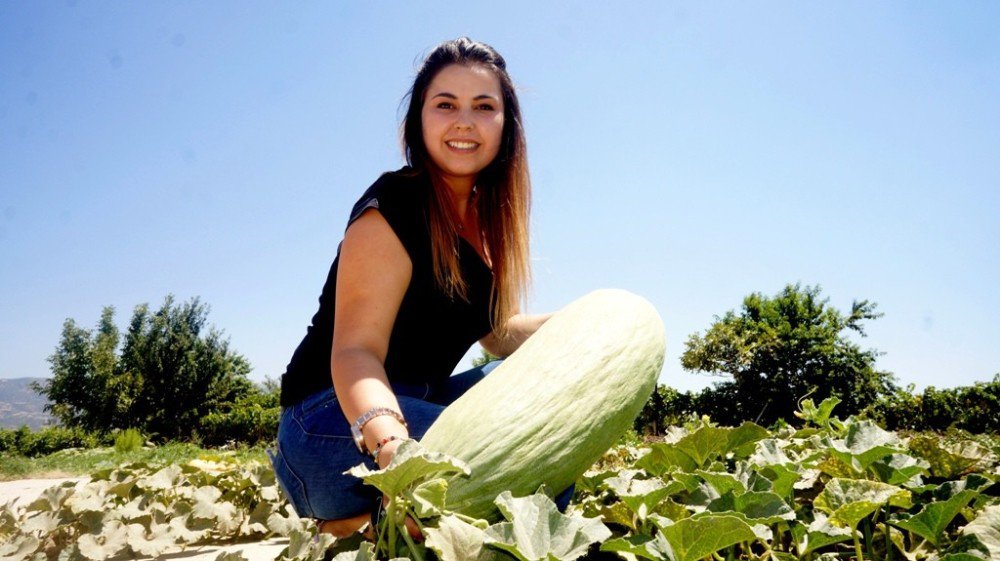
<point x="320" y="415"/>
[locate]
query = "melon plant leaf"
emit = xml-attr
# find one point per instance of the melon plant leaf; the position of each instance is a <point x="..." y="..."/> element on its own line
<point x="741" y="441"/>
<point x="819" y="416"/>
<point x="365" y="552"/>
<point x="410" y="464"/>
<point x="537" y="530"/>
<point x="723" y="482"/>
<point x="19" y="548"/>
<point x="457" y="540"/>
<point x="619" y="513"/>
<point x="152" y="545"/>
<point x="43" y="523"/>
<point x="932" y="520"/>
<point x="771" y="452"/>
<point x="302" y="546"/>
<point x="664" y="457"/>
<point x="113" y="539"/>
<point x="704" y="444"/>
<point x="986" y="527"/>
<point x="51" y="499"/>
<point x="960" y="557"/>
<point x="899" y="469"/>
<point x="759" y="508"/>
<point x="947" y="462"/>
<point x="641" y="495"/>
<point x="231" y="556"/>
<point x="818" y="534"/>
<point x="693" y="538"/>
<point x="166" y="478"/>
<point x="782" y="479"/>
<point x="207" y="506"/>
<point x="428" y="498"/>
<point x="656" y="548"/>
<point x="849" y="500"/>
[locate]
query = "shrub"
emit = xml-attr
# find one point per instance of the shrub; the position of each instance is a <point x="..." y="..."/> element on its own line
<point x="25" y="442"/>
<point x="128" y="440"/>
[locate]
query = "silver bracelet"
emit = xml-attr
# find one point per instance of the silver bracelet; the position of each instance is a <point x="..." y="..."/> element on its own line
<point x="359" y="439"/>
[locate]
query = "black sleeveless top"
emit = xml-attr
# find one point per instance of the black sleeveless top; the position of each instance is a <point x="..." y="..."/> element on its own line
<point x="432" y="331"/>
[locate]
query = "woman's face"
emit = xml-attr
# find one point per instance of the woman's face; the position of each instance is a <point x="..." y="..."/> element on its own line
<point x="462" y="120"/>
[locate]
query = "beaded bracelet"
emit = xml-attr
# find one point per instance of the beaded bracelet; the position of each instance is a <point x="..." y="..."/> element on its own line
<point x="384" y="441"/>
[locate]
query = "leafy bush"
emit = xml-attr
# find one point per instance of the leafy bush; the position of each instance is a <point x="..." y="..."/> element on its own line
<point x="128" y="440"/>
<point x="251" y="419"/>
<point x="25" y="442"/>
<point x="974" y="408"/>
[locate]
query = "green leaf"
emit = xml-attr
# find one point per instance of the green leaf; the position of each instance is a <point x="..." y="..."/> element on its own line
<point x="818" y="534"/>
<point x="899" y="469"/>
<point x="782" y="479"/>
<point x="112" y="539"/>
<point x="723" y="482"/>
<point x="663" y="457"/>
<point x="456" y="540"/>
<point x="231" y="556"/>
<point x="640" y="495"/>
<point x="771" y="452"/>
<point x="656" y="548"/>
<point x="986" y="527"/>
<point x="19" y="548"/>
<point x="865" y="442"/>
<point x="932" y="520"/>
<point x="759" y="508"/>
<point x="207" y="506"/>
<point x="52" y="499"/>
<point x="166" y="478"/>
<point x="537" y="530"/>
<point x="850" y="500"/>
<point x="365" y="553"/>
<point x="153" y="543"/>
<point x="742" y="440"/>
<point x="693" y="538"/>
<point x="818" y="416"/>
<point x="410" y="464"/>
<point x="948" y="462"/>
<point x="704" y="444"/>
<point x="428" y="498"/>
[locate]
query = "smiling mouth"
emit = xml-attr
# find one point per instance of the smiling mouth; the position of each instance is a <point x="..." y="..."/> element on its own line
<point x="462" y="144"/>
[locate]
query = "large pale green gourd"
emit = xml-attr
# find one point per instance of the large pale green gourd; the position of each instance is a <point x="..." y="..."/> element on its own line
<point x="556" y="405"/>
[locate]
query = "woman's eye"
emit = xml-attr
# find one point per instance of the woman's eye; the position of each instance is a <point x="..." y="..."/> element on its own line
<point x="486" y="107"/>
<point x="444" y="105"/>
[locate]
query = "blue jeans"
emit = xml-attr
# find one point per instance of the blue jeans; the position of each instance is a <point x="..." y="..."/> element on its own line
<point x="315" y="447"/>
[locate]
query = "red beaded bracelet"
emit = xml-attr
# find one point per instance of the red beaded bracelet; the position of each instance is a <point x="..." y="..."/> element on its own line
<point x="384" y="441"/>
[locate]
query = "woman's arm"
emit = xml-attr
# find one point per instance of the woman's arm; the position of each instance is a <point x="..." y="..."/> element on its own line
<point x="372" y="277"/>
<point x="519" y="328"/>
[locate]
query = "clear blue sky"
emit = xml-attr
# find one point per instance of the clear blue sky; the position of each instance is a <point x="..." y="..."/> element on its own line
<point x="692" y="153"/>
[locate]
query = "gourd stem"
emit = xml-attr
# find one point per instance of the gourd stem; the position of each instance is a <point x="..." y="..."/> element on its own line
<point x="857" y="544"/>
<point x="412" y="546"/>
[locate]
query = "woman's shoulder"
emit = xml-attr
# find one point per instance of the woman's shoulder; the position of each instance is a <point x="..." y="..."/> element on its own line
<point x="404" y="183"/>
<point x="400" y="196"/>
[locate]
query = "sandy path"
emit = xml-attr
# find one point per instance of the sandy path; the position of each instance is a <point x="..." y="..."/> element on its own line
<point x="23" y="491"/>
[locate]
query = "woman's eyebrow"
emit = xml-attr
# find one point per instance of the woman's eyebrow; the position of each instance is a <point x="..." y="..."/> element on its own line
<point x="453" y="96"/>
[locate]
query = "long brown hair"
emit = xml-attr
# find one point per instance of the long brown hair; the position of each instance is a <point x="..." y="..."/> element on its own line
<point x="503" y="186"/>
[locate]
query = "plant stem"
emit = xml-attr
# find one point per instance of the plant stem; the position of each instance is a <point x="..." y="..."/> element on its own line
<point x="857" y="544"/>
<point x="412" y="546"/>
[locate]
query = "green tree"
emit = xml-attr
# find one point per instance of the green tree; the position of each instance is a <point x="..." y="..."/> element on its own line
<point x="183" y="369"/>
<point x="172" y="372"/>
<point x="779" y="350"/>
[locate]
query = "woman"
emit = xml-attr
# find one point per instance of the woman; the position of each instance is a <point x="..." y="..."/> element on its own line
<point x="434" y="258"/>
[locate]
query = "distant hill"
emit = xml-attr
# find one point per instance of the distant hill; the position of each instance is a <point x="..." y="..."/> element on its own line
<point x="19" y="405"/>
